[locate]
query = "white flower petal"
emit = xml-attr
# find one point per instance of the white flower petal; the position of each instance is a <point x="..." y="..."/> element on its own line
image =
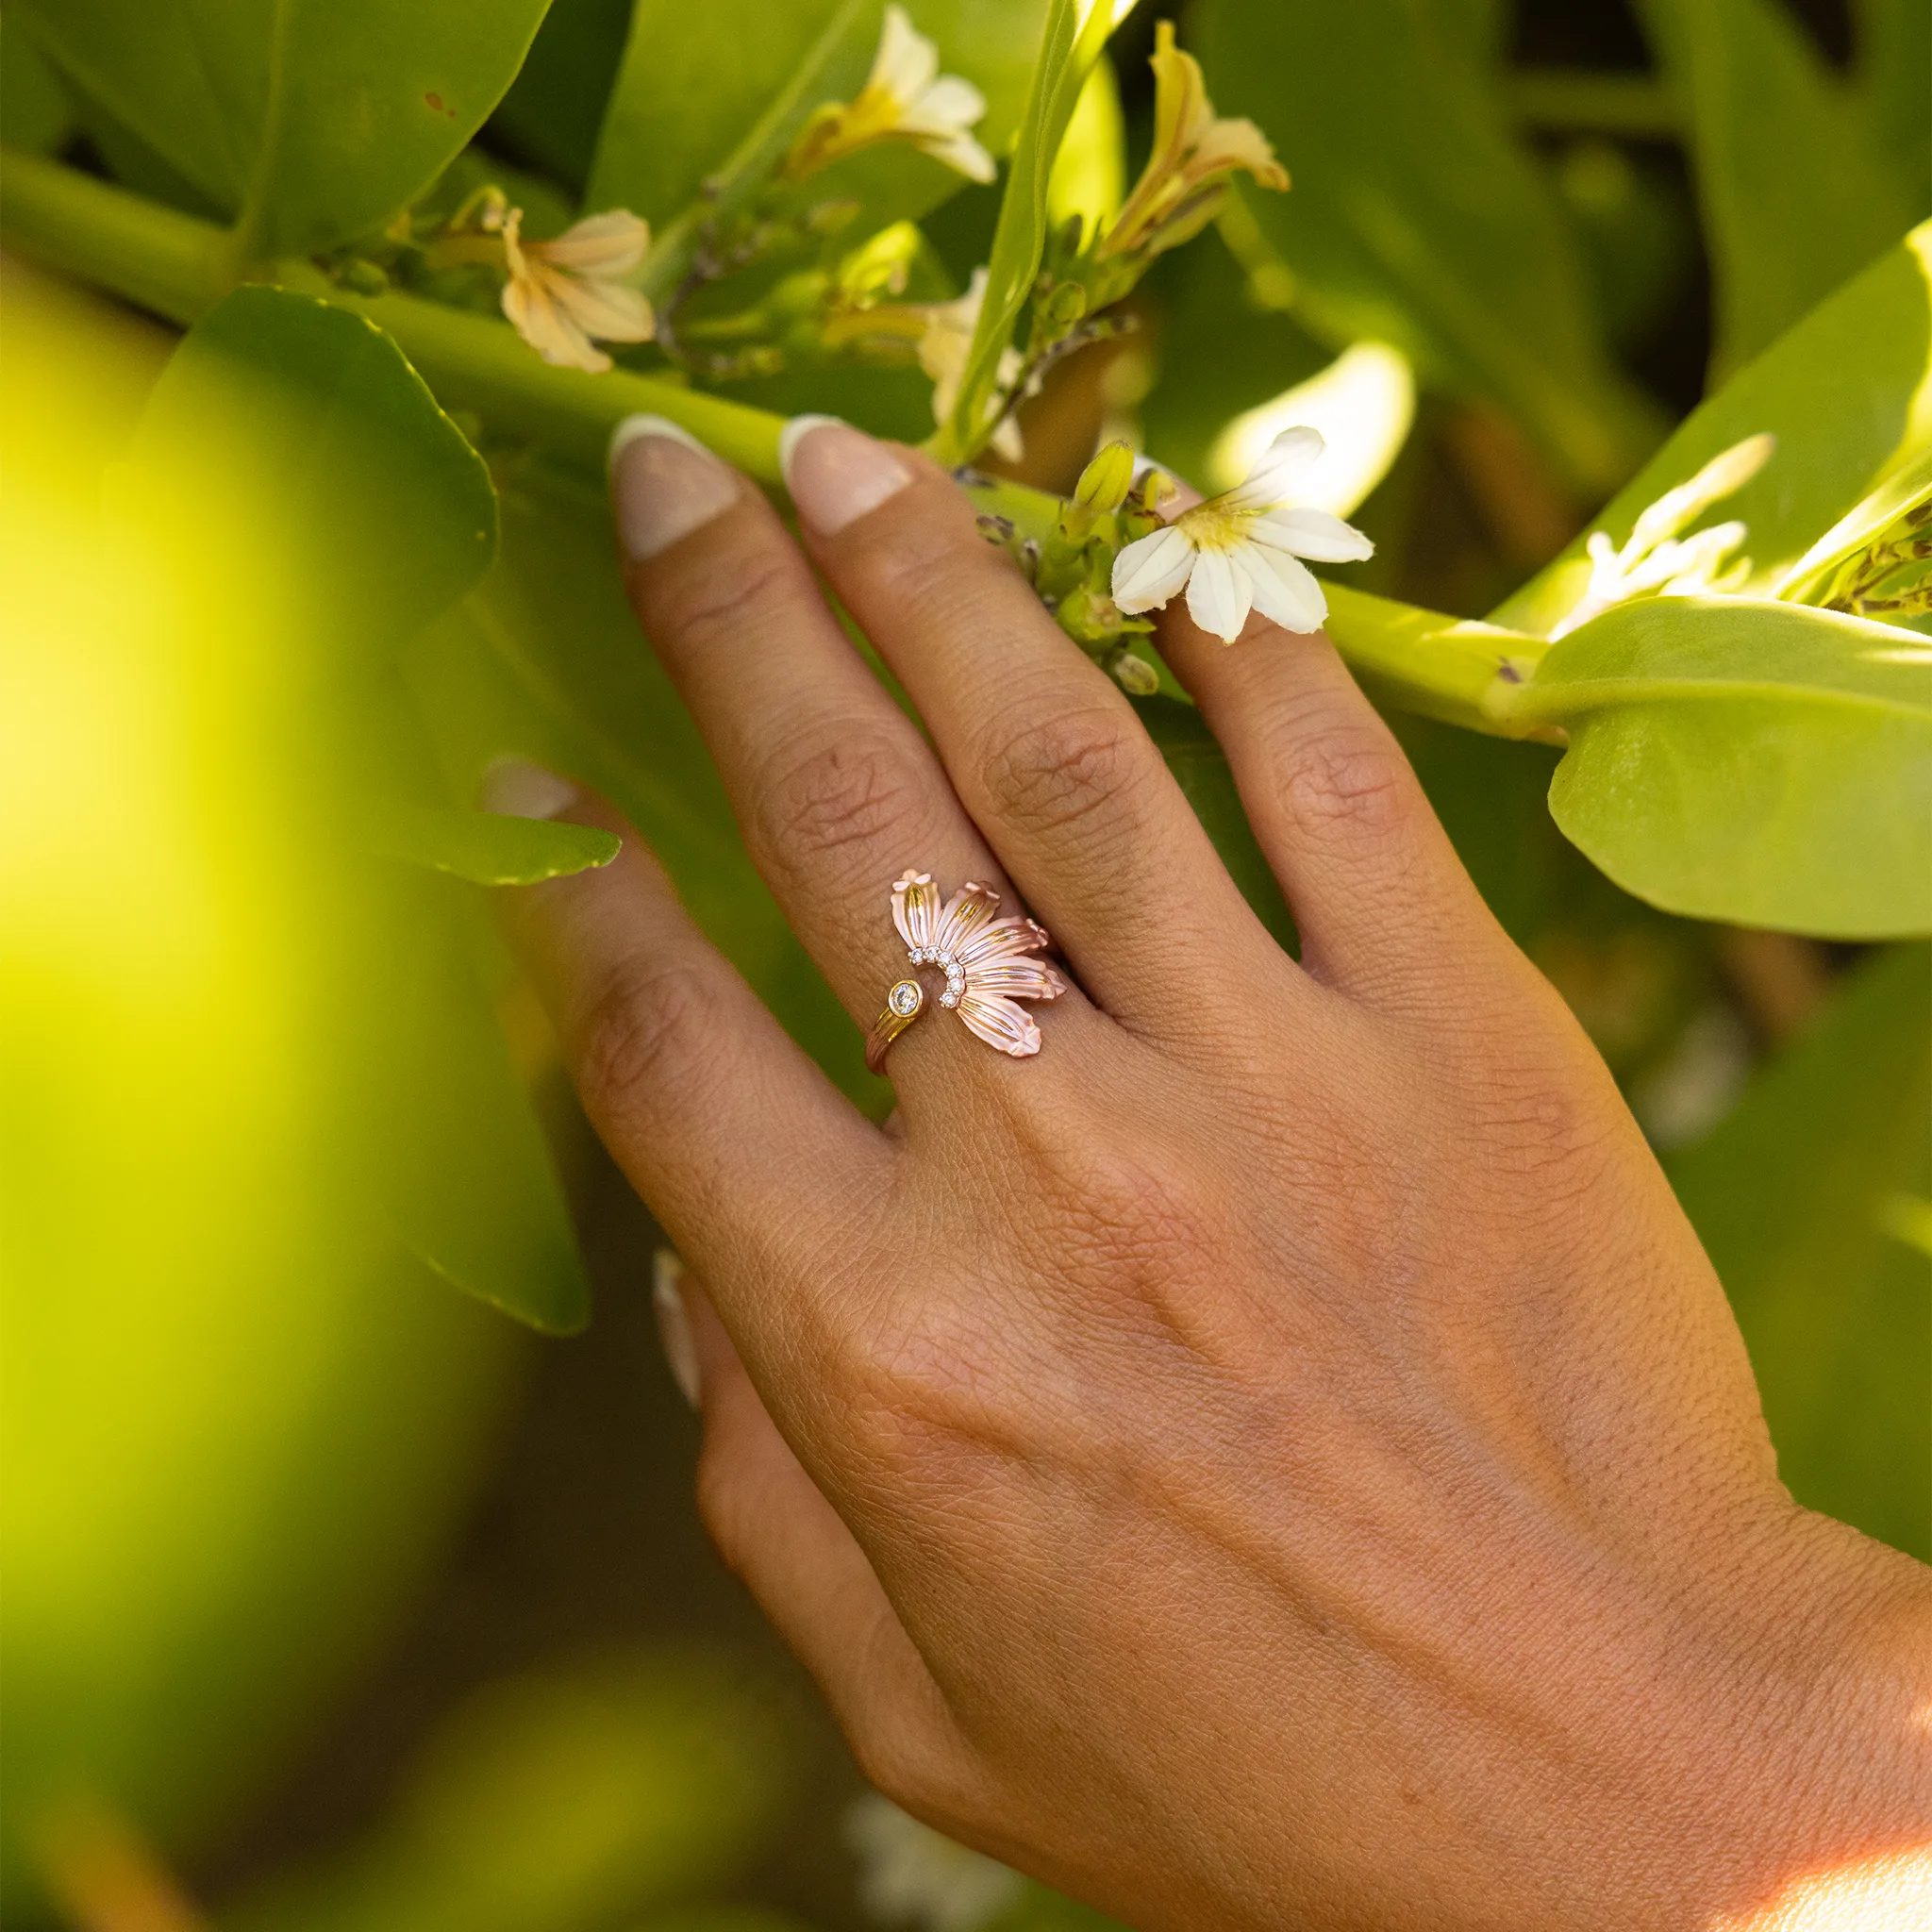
<point x="548" y="329"/>
<point x="1272" y="479"/>
<point x="950" y="105"/>
<point x="906" y="62"/>
<point x="963" y="155"/>
<point x="1311" y="533"/>
<point x="1152" y="569"/>
<point x="607" y="311"/>
<point x="1285" y="590"/>
<point x="1219" y="595"/>
<point x="608" y="245"/>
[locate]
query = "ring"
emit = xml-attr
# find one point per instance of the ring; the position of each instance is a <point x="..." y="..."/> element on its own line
<point x="985" y="961"/>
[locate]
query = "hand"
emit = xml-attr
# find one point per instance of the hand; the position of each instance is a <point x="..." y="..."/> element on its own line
<point x="1279" y="1457"/>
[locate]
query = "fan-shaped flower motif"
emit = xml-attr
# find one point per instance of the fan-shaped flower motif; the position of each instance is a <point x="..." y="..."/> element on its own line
<point x="984" y="959"/>
<point x="564" y="295"/>
<point x="1238" y="551"/>
<point x="906" y="98"/>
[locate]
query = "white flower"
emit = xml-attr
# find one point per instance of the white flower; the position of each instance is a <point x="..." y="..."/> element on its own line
<point x="943" y="347"/>
<point x="905" y="98"/>
<point x="1656" y="560"/>
<point x="910" y="1873"/>
<point x="566" y="295"/>
<point x="1239" y="551"/>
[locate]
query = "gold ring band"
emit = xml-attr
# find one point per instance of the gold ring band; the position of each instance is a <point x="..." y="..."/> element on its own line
<point x="903" y="1004"/>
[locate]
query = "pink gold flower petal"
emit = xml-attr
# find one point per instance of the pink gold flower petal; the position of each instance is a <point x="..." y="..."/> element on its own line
<point x="1000" y="1024"/>
<point x="1005" y="938"/>
<point x="967" y="911"/>
<point x="1016" y="979"/>
<point x="915" y="909"/>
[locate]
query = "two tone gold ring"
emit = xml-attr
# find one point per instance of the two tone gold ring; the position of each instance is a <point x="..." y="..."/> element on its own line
<point x="985" y="961"/>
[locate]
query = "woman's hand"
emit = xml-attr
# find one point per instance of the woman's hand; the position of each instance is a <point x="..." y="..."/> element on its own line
<point x="1279" y="1457"/>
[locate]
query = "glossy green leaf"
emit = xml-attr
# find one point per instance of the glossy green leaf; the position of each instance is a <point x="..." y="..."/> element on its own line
<point x="1756" y="762"/>
<point x="708" y="98"/>
<point x="311" y="119"/>
<point x="1796" y="195"/>
<point x="488" y="848"/>
<point x="388" y="515"/>
<point x="1417" y="217"/>
<point x="1847" y="393"/>
<point x="1069" y="46"/>
<point x="1792" y="1195"/>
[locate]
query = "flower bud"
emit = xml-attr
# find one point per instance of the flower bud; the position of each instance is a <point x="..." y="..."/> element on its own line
<point x="1134" y="676"/>
<point x="1105" y="482"/>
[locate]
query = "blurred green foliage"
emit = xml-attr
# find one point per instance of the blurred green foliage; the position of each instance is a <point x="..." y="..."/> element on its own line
<point x="265" y="1074"/>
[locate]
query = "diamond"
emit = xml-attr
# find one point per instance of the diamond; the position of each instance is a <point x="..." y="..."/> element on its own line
<point x="905" y="998"/>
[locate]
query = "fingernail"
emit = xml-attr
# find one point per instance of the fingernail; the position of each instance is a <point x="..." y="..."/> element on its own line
<point x="674" y="1324"/>
<point x="663" y="484"/>
<point x="518" y="789"/>
<point x="836" y="473"/>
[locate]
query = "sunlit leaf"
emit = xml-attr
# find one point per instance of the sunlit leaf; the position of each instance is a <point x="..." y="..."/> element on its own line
<point x="1757" y="763"/>
<point x="1847" y="393"/>
<point x="488" y="848"/>
<point x="1796" y="195"/>
<point x="1418" y="218"/>
<point x="290" y="444"/>
<point x="1792" y="1195"/>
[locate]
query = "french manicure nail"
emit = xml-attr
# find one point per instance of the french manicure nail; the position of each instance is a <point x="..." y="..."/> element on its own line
<point x="516" y="789"/>
<point x="674" y="1324"/>
<point x="663" y="483"/>
<point x="836" y="473"/>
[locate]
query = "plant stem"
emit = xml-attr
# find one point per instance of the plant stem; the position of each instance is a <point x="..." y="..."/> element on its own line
<point x="1419" y="660"/>
<point x="173" y="264"/>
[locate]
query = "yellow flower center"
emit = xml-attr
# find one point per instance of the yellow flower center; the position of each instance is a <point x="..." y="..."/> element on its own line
<point x="1211" y="525"/>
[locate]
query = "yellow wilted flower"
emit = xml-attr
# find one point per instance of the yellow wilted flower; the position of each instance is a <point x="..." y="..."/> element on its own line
<point x="1195" y="155"/>
<point x="566" y="295"/>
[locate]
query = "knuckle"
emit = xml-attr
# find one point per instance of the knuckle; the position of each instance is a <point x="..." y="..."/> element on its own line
<point x="1054" y="773"/>
<point x="648" y="1026"/>
<point x="851" y="791"/>
<point x="1350" y="781"/>
<point x="751" y="589"/>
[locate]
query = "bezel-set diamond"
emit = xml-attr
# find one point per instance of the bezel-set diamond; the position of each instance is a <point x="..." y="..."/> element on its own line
<point x="906" y="998"/>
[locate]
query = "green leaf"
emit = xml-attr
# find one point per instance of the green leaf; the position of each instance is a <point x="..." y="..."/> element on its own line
<point x="556" y="105"/>
<point x="488" y="848"/>
<point x="1796" y="195"/>
<point x="544" y="661"/>
<point x="710" y="98"/>
<point x="311" y="119"/>
<point x="1418" y="218"/>
<point x="385" y="512"/>
<point x="35" y="112"/>
<point x="1200" y="768"/>
<point x="293" y="455"/>
<point x="467" y="1177"/>
<point x="1755" y="762"/>
<point x="1895" y="54"/>
<point x="1068" y="49"/>
<point x="1848" y="395"/>
<point x="1810" y="580"/>
<point x="1792" y="1195"/>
